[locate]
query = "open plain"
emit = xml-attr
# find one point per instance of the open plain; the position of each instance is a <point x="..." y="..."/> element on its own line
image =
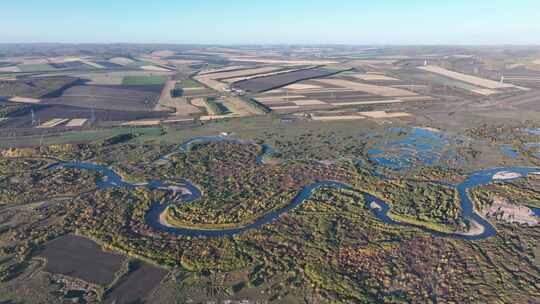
<point x="269" y="174"/>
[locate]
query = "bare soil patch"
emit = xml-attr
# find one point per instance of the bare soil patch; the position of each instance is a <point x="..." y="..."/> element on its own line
<point x="138" y="284"/>
<point x="106" y="98"/>
<point x="508" y="212"/>
<point x="261" y="84"/>
<point x="503" y="175"/>
<point x="373" y="77"/>
<point x="81" y="258"/>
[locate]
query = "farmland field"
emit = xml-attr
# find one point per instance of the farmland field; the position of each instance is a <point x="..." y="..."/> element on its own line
<point x="242" y="107"/>
<point x="216" y="108"/>
<point x="71" y="65"/>
<point x="190" y="83"/>
<point x="9" y="69"/>
<point x="180" y="104"/>
<point x="136" y="285"/>
<point x="351" y="182"/>
<point x="444" y="81"/>
<point x="43" y="113"/>
<point x="373" y="77"/>
<point x="144" y="80"/>
<point x="261" y="84"/>
<point x="242" y="73"/>
<point x="12" y="109"/>
<point x="36" y="67"/>
<point x="121" y="61"/>
<point x="368" y="88"/>
<point x="81" y="258"/>
<point x="107" y="64"/>
<point x="36" y="87"/>
<point x="108" y="98"/>
<point x="115" y="77"/>
<point x="482" y="82"/>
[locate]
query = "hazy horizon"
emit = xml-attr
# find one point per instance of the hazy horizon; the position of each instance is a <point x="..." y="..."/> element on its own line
<point x="346" y="22"/>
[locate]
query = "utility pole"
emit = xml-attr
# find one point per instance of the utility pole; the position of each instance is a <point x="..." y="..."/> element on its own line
<point x="34" y="121"/>
<point x="92" y="116"/>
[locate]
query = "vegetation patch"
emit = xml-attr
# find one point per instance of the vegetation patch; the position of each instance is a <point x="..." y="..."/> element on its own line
<point x="144" y="80"/>
<point x="36" y="67"/>
<point x="36" y="87"/>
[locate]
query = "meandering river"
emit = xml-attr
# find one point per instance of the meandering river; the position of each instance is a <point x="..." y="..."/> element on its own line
<point x="481" y="228"/>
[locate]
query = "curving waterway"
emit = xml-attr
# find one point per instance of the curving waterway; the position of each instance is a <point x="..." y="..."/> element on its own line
<point x="109" y="179"/>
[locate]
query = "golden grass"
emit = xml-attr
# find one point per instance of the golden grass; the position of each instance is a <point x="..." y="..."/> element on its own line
<point x="121" y="60"/>
<point x="367" y="102"/>
<point x="482" y="82"/>
<point x="24" y="99"/>
<point x="339" y="117"/>
<point x="308" y="102"/>
<point x="284" y="107"/>
<point x="484" y="92"/>
<point x="373" y="77"/>
<point x="368" y="88"/>
<point x="53" y="123"/>
<point x="301" y="86"/>
<point x="278" y="61"/>
<point x="92" y="64"/>
<point x="242" y="73"/>
<point x="417" y="98"/>
<point x="154" y="68"/>
<point x="241" y="107"/>
<point x="77" y="122"/>
<point x="384" y="114"/>
<point x="198" y="102"/>
<point x="211" y="83"/>
<point x="152" y="122"/>
<point x="177" y="119"/>
<point x="10" y="69"/>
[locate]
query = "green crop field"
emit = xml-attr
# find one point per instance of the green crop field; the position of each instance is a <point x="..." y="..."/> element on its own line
<point x="190" y="83"/>
<point x="36" y="67"/>
<point x="144" y="80"/>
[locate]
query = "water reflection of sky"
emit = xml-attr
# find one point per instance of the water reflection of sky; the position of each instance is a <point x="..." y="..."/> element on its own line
<point x="509" y="151"/>
<point x="415" y="146"/>
<point x="532" y="131"/>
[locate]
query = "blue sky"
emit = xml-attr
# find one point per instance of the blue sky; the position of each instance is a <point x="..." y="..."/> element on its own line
<point x="275" y="21"/>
